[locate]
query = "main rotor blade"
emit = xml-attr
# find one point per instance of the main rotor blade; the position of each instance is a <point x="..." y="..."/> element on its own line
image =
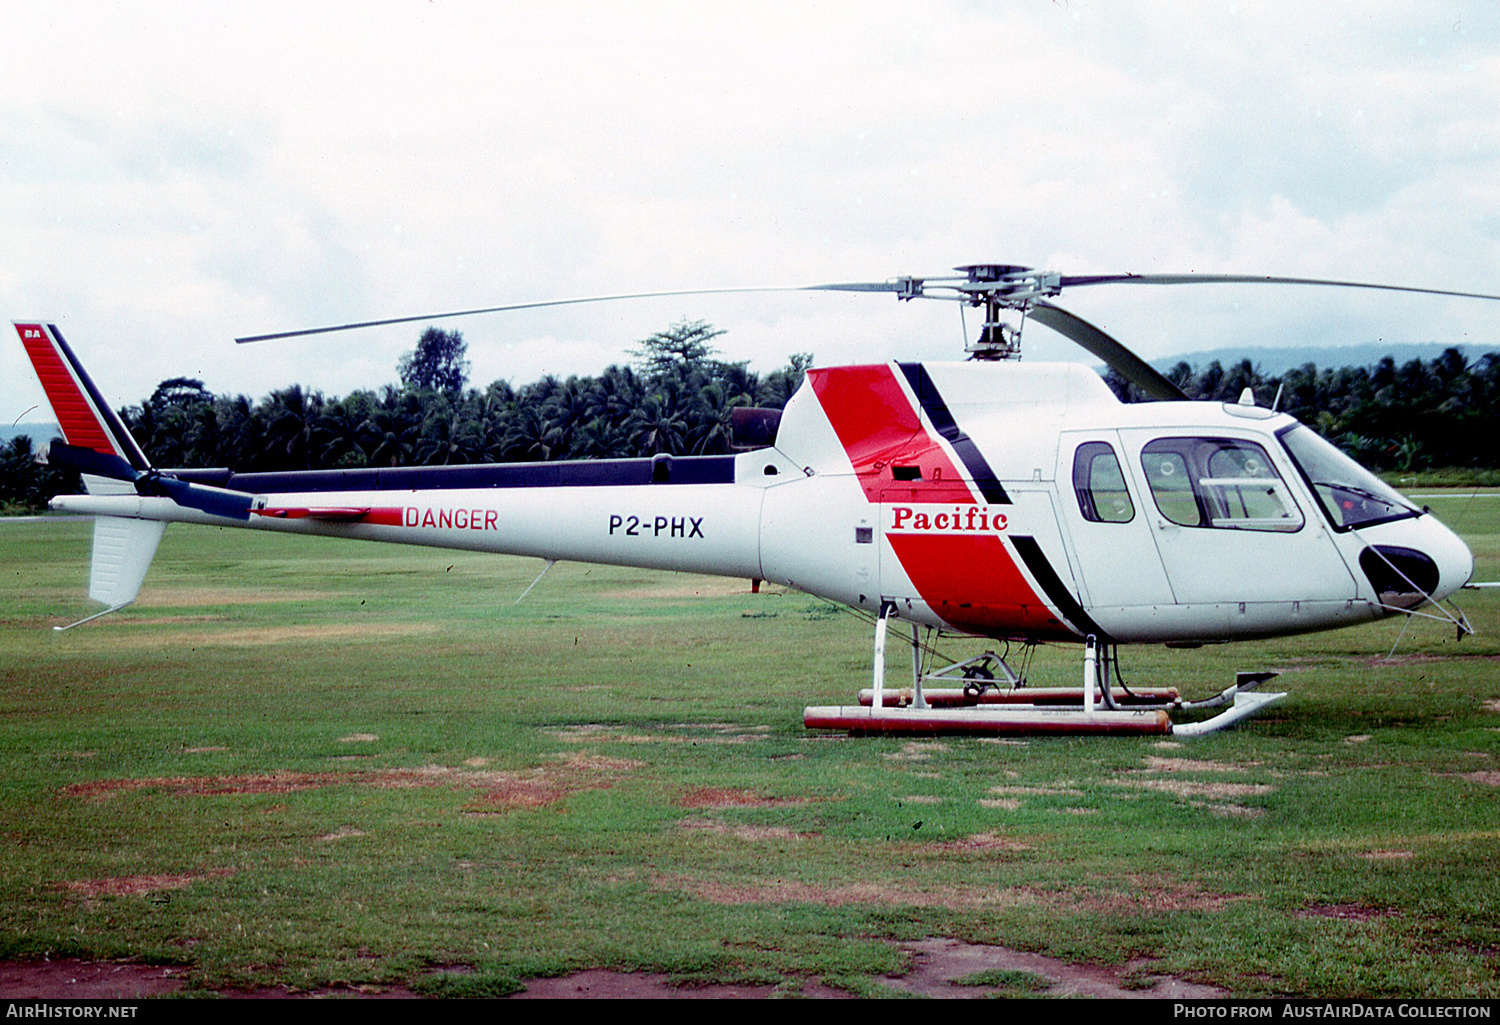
<point x="1124" y="362"/>
<point x="1249" y="279"/>
<point x="563" y="302"/>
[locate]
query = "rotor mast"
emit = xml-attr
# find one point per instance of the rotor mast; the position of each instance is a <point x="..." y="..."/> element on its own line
<point x="996" y="287"/>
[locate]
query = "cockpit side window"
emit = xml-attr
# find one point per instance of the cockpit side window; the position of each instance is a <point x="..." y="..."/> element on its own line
<point x="1100" y="485"/>
<point x="1218" y="482"/>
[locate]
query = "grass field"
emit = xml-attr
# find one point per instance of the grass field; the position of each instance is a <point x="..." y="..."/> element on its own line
<point x="312" y="763"/>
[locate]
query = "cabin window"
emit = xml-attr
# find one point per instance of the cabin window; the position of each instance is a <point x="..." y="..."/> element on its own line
<point x="1218" y="482"/>
<point x="1100" y="485"/>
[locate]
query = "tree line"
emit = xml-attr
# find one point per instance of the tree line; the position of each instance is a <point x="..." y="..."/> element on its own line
<point x="1419" y="415"/>
<point x="676" y="397"/>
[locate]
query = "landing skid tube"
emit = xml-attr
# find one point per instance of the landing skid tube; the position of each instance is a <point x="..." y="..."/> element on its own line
<point x="983" y="705"/>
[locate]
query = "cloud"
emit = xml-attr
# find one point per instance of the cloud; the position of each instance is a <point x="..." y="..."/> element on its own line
<point x="176" y="175"/>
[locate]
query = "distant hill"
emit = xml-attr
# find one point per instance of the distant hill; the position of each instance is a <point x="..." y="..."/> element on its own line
<point x="1275" y="362"/>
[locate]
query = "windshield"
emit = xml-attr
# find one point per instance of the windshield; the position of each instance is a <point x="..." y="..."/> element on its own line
<point x="1351" y="495"/>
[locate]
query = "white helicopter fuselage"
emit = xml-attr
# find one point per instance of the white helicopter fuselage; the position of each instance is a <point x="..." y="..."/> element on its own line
<point x="1009" y="500"/>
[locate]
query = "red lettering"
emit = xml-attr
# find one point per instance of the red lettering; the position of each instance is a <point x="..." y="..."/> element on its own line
<point x="410" y="519"/>
<point x="427" y="520"/>
<point x="940" y="521"/>
<point x="461" y="518"/>
<point x="474" y="523"/>
<point x="902" y="515"/>
<point x="489" y="520"/>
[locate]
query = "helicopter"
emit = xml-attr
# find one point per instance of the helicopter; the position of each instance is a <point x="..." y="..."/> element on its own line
<point x="994" y="498"/>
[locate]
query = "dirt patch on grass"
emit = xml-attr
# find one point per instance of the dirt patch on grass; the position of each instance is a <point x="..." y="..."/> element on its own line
<point x="701" y="733"/>
<point x="725" y="797"/>
<point x="917" y="751"/>
<point x="980" y="843"/>
<point x="602" y="984"/>
<point x="178" y="597"/>
<point x="741" y="831"/>
<point x="1155" y="764"/>
<point x="1404" y="660"/>
<point x="71" y="979"/>
<point x="1060" y="790"/>
<point x="1151" y="894"/>
<point x="206" y="786"/>
<point x="693" y="587"/>
<point x="135" y="886"/>
<point x="1145" y="895"/>
<point x="934" y="967"/>
<point x="1189" y="788"/>
<point x="1347" y="912"/>
<point x="262" y="636"/>
<point x="1225" y="810"/>
<point x="1488" y="777"/>
<point x="936" y="964"/>
<point x="791" y="891"/>
<point x="545" y="784"/>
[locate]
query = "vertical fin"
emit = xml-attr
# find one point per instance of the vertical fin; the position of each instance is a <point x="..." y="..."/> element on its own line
<point x="82" y="414"/>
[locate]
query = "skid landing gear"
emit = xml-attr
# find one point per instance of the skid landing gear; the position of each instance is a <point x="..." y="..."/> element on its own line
<point x="984" y="695"/>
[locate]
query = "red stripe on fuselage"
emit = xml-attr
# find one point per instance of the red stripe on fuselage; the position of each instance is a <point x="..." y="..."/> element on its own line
<point x="970" y="580"/>
<point x="982" y="591"/>
<point x="76" y="416"/>
<point x="380" y="517"/>
<point x="878" y="427"/>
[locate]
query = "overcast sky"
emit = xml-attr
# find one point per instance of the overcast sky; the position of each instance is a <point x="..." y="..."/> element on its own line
<point x="175" y="175"/>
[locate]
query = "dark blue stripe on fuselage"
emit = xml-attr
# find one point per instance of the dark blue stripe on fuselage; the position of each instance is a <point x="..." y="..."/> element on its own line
<point x="1057" y="592"/>
<point x="937" y="411"/>
<point x="583" y="473"/>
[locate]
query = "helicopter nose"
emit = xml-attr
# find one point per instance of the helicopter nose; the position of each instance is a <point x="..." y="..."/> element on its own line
<point x="1454" y="561"/>
<point x="1410" y="561"/>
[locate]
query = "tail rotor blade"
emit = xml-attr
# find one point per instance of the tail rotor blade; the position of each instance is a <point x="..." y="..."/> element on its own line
<point x="232" y="505"/>
<point x="86" y="460"/>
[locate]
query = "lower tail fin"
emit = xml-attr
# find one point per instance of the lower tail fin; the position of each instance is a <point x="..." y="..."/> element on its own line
<point x="123" y="550"/>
